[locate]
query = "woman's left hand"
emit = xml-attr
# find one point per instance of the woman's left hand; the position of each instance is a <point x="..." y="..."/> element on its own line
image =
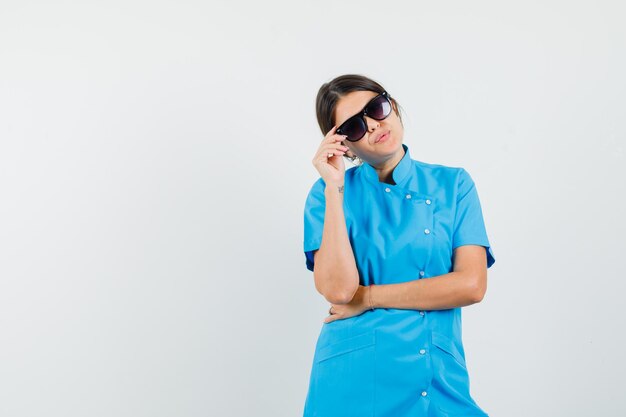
<point x="356" y="306"/>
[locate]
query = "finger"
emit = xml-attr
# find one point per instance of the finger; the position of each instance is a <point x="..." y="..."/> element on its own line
<point x="324" y="157"/>
<point x="333" y="147"/>
<point x="329" y="151"/>
<point x="332" y="131"/>
<point x="339" y="146"/>
<point x="336" y="138"/>
<point x="330" y="154"/>
<point x="331" y="136"/>
<point x="334" y="317"/>
<point x="327" y="155"/>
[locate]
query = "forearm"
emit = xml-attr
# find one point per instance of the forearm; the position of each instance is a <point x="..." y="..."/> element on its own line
<point x="454" y="289"/>
<point x="335" y="272"/>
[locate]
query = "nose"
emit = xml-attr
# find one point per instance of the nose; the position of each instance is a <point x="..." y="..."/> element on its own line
<point x="372" y="124"/>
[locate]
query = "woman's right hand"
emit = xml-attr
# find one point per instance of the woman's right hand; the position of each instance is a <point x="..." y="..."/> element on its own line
<point x="331" y="169"/>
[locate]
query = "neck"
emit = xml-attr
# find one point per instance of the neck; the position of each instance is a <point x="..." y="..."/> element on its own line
<point x="385" y="168"/>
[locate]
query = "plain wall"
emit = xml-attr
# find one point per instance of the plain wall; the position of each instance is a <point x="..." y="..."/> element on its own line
<point x="155" y="157"/>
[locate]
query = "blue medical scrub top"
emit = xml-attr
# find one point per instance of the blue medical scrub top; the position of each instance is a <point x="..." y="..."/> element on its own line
<point x="396" y="362"/>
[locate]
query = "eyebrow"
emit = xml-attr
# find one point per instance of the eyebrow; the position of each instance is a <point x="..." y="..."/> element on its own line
<point x="359" y="112"/>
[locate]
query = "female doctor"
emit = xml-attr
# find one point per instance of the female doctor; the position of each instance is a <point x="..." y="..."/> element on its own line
<point x="397" y="246"/>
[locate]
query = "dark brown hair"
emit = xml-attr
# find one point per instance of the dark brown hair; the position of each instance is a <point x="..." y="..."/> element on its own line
<point x="330" y="93"/>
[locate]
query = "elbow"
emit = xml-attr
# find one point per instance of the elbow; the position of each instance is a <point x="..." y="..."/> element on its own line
<point x="338" y="294"/>
<point x="339" y="297"/>
<point x="342" y="295"/>
<point x="336" y="289"/>
<point x="477" y="289"/>
<point x="477" y="296"/>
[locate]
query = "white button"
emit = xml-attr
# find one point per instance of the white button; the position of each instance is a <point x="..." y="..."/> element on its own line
<point x="387" y="189"/>
<point x="424" y="393"/>
<point x="427" y="231"/>
<point x="421" y="313"/>
<point x="408" y="196"/>
<point x="422" y="351"/>
<point x="427" y="201"/>
<point x="421" y="273"/>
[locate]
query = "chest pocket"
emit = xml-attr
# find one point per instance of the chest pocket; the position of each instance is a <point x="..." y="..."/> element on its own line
<point x="419" y="229"/>
<point x="421" y="212"/>
<point x="391" y="234"/>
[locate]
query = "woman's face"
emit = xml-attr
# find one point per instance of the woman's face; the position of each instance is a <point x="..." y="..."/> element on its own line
<point x="366" y="148"/>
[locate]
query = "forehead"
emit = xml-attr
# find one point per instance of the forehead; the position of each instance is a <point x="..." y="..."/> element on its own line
<point x="351" y="104"/>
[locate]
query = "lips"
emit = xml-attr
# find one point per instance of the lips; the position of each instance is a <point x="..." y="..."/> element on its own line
<point x="383" y="136"/>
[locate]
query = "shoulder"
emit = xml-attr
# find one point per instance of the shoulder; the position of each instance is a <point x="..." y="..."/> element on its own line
<point x="351" y="171"/>
<point x="443" y="174"/>
<point x="316" y="191"/>
<point x="318" y="185"/>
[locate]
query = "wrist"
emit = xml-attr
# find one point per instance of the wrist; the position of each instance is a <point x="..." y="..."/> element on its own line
<point x="334" y="188"/>
<point x="334" y="195"/>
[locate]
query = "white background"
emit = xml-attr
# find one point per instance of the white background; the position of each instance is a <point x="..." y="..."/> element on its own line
<point x="154" y="161"/>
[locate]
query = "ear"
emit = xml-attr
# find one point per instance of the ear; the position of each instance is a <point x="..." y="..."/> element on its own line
<point x="394" y="106"/>
<point x="395" y="110"/>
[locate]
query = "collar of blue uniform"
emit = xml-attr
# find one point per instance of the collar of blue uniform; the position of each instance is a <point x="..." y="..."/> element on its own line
<point x="399" y="173"/>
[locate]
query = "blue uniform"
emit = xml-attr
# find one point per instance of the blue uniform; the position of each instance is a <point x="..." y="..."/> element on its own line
<point x="391" y="362"/>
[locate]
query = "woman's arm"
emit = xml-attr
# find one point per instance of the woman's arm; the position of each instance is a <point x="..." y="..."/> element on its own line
<point x="335" y="271"/>
<point x="466" y="285"/>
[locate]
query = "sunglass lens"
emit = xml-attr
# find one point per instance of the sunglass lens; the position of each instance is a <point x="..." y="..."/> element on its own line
<point x="354" y="128"/>
<point x="379" y="108"/>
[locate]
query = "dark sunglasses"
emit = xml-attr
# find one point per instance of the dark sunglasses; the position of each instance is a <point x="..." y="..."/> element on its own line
<point x="355" y="127"/>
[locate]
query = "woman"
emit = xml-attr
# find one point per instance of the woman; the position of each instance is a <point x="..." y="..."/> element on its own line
<point x="397" y="246"/>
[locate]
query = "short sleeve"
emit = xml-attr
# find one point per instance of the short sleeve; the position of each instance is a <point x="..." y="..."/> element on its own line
<point x="469" y="225"/>
<point x="314" y="210"/>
